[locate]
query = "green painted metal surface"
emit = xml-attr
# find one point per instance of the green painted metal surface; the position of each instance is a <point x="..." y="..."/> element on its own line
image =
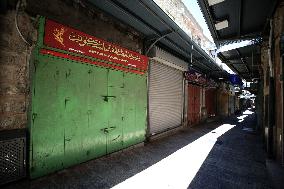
<point x="81" y="111"/>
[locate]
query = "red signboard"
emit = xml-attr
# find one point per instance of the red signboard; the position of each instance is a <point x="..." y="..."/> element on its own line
<point x="68" y="39"/>
<point x="195" y="77"/>
<point x="199" y="79"/>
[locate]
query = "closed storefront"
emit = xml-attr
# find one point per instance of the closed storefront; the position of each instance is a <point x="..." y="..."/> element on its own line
<point x="210" y="102"/>
<point x="232" y="100"/>
<point x="196" y="110"/>
<point x="237" y="104"/>
<point x="166" y="92"/>
<point x="223" y="103"/>
<point x="194" y="104"/>
<point x="86" y="99"/>
<point x="231" y="104"/>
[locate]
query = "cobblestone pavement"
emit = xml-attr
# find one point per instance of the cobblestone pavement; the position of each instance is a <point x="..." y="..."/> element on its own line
<point x="236" y="160"/>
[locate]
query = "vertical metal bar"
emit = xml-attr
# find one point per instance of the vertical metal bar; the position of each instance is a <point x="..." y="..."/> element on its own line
<point x="191" y="58"/>
<point x="183" y="104"/>
<point x="41" y="31"/>
<point x="148" y="108"/>
<point x="186" y="102"/>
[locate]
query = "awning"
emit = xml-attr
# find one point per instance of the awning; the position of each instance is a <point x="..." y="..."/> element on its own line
<point x="149" y="19"/>
<point x="245" y="19"/>
<point x="245" y="61"/>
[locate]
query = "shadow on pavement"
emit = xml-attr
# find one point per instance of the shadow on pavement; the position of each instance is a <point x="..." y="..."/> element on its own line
<point x="236" y="160"/>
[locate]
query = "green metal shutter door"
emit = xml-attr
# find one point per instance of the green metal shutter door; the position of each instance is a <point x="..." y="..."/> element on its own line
<point x="165" y="97"/>
<point x="47" y="153"/>
<point x="80" y="112"/>
<point x="134" y="111"/>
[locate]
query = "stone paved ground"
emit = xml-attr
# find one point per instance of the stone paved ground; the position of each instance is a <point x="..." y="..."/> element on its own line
<point x="235" y="161"/>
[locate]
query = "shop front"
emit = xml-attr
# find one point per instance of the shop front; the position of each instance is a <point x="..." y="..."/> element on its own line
<point x="211" y="102"/>
<point x="196" y="97"/>
<point x="165" y="92"/>
<point x="232" y="100"/>
<point x="223" y="100"/>
<point x="89" y="98"/>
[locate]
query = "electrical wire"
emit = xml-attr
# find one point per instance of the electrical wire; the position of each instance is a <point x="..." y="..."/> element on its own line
<point x="16" y="23"/>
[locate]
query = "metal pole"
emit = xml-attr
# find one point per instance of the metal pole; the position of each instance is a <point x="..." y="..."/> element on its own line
<point x="151" y="46"/>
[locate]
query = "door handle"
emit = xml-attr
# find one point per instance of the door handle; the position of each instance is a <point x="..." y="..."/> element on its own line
<point x="107" y="97"/>
<point x="110" y="129"/>
<point x="107" y="129"/>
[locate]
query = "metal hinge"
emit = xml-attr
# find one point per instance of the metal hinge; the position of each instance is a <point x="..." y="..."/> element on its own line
<point x="34" y="115"/>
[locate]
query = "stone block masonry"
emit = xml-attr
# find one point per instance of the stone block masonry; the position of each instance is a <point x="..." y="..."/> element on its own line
<point x="14" y="57"/>
<point x="82" y="16"/>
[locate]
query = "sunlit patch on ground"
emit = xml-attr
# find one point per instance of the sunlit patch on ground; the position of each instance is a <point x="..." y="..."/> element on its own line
<point x="245" y="114"/>
<point x="178" y="169"/>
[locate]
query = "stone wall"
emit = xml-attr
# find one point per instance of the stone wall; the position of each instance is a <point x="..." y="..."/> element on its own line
<point x="265" y="88"/>
<point x="222" y="102"/>
<point x="15" y="53"/>
<point x="86" y="18"/>
<point x="177" y="11"/>
<point x="278" y="22"/>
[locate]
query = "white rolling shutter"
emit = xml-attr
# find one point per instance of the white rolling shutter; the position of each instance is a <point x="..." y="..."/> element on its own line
<point x="165" y="97"/>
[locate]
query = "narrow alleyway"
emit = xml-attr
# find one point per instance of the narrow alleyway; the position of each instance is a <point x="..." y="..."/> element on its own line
<point x="141" y="94"/>
<point x="237" y="159"/>
<point x="214" y="155"/>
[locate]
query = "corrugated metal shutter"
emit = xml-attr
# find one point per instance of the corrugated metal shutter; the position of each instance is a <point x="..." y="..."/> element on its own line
<point x="165" y="97"/>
